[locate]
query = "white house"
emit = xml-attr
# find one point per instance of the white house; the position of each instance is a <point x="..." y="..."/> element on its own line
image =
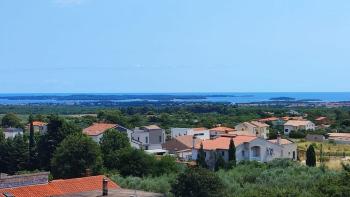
<point x="295" y="125"/>
<point x="201" y="132"/>
<point x="255" y="128"/>
<point x="249" y="148"/>
<point x="12" y="132"/>
<point x="150" y="137"/>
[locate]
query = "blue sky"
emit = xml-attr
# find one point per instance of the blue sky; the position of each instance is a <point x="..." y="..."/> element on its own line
<point x="117" y="46"/>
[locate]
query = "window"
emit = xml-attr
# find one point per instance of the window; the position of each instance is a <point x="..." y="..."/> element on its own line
<point x="146" y="139"/>
<point x="242" y="153"/>
<point x="160" y="138"/>
<point x="223" y="153"/>
<point x="138" y="138"/>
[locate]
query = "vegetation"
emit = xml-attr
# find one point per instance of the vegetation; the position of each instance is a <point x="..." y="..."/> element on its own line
<point x="201" y="157"/>
<point x="197" y="182"/>
<point x="74" y="156"/>
<point x="311" y="156"/>
<point x="275" y="179"/>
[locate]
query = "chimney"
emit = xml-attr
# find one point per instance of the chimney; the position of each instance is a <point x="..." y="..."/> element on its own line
<point x="278" y="138"/>
<point x="105" y="187"/>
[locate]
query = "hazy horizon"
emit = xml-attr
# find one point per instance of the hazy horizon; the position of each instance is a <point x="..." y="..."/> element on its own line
<point x="165" y="46"/>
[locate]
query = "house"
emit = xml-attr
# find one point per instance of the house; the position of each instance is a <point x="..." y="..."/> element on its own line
<point x="217" y="131"/>
<point x="255" y="128"/>
<point x="339" y="138"/>
<point x="12" y="132"/>
<point x="315" y="138"/>
<point x="322" y="121"/>
<point x="38" y="185"/>
<point x="200" y="132"/>
<point x="96" y="130"/>
<point x="40" y="127"/>
<point x="295" y="125"/>
<point x="150" y="137"/>
<point x="249" y="148"/>
<point x="182" y="146"/>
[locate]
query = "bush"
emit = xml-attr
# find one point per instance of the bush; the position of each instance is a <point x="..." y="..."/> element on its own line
<point x="197" y="182"/>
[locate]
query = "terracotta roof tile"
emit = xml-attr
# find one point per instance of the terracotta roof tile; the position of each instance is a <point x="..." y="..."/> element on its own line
<point x="222" y="129"/>
<point x="39" y="123"/>
<point x="60" y="187"/>
<point x="98" y="128"/>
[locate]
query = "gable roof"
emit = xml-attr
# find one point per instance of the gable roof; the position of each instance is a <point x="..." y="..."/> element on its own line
<point x="199" y="129"/>
<point x="60" y="187"/>
<point x="268" y="119"/>
<point x="98" y="128"/>
<point x="223" y="143"/>
<point x="181" y="143"/>
<point x="297" y="123"/>
<point x="222" y="129"/>
<point x="259" y="124"/>
<point x="39" y="123"/>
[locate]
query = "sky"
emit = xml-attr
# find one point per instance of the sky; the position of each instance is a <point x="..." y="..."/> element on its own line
<point x="153" y="46"/>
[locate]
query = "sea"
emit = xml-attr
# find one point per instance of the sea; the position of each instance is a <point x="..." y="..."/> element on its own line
<point x="239" y="97"/>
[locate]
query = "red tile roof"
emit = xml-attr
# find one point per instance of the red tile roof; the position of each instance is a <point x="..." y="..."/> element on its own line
<point x="199" y="129"/>
<point x="222" y="129"/>
<point x="268" y="119"/>
<point x="98" y="128"/>
<point x="60" y="187"/>
<point x="223" y="143"/>
<point x="39" y="123"/>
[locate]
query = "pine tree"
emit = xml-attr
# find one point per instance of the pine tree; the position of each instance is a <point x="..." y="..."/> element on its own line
<point x="232" y="153"/>
<point x="201" y="157"/>
<point x="310" y="156"/>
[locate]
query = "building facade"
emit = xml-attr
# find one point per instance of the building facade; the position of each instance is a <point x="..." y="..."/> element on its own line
<point x="248" y="148"/>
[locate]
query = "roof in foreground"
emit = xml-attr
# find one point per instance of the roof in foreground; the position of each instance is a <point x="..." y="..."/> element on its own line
<point x="223" y="143"/>
<point x="60" y="187"/>
<point x="116" y="193"/>
<point x="98" y="128"/>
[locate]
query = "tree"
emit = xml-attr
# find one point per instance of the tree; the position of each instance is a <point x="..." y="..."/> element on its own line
<point x="14" y="154"/>
<point x="197" y="182"/>
<point x="232" y="153"/>
<point x="32" y="149"/>
<point x="11" y="120"/>
<point x="74" y="156"/>
<point x="310" y="156"/>
<point x="58" y="130"/>
<point x="133" y="162"/>
<point x="201" y="157"/>
<point x="220" y="163"/>
<point x="111" y="142"/>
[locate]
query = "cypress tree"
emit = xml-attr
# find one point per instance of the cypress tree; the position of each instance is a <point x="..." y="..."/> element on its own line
<point x="232" y="153"/>
<point x="201" y="157"/>
<point x="310" y="156"/>
<point x="31" y="144"/>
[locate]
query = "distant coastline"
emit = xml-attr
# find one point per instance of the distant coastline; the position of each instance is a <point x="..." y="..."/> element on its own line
<point x="231" y="98"/>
